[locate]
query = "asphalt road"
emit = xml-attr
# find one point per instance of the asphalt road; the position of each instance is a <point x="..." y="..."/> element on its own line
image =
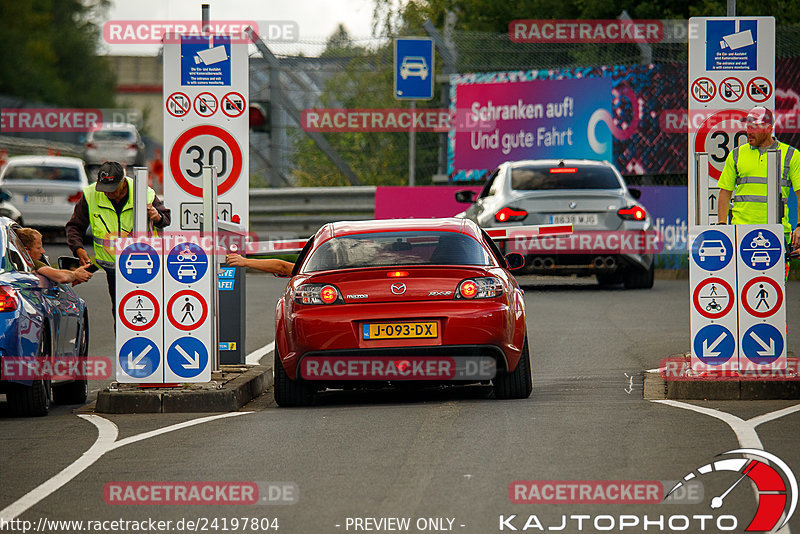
<point x="445" y="455"/>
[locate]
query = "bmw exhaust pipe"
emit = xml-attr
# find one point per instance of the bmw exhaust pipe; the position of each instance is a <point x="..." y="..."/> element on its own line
<point x="537" y="263"/>
<point x="610" y="262"/>
<point x="598" y="263"/>
<point x="549" y="263"/>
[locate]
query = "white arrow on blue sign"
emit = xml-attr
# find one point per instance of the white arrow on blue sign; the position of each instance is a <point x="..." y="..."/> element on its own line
<point x="714" y="344"/>
<point x="413" y="68"/>
<point x="139" y="357"/>
<point x="762" y="343"/>
<point x="187" y="357"/>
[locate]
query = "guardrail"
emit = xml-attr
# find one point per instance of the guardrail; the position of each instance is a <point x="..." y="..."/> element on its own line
<point x="23" y="145"/>
<point x="300" y="211"/>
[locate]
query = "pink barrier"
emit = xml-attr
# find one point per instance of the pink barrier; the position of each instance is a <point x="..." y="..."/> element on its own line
<point x="403" y="202"/>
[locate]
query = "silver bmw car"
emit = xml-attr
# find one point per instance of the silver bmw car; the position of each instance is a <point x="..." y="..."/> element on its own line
<point x="612" y="234"/>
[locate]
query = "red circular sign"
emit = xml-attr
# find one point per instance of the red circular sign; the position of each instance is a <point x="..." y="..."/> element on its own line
<point x="706" y="310"/>
<point x="205" y="104"/>
<point x="731" y="89"/>
<point x="703" y="89"/>
<point x="750" y="309"/>
<point x="759" y="89"/>
<point x="189" y="135"/>
<point x="129" y="322"/>
<point x="178" y="104"/>
<point x="712" y="121"/>
<point x="233" y="104"/>
<point x="203" y="312"/>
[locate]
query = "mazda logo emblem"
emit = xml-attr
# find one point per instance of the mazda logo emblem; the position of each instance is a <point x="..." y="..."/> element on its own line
<point x="398" y="289"/>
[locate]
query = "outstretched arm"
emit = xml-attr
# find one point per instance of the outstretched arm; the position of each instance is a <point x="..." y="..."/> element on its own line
<point x="268" y="266"/>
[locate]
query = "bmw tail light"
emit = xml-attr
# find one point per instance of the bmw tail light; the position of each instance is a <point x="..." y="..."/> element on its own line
<point x="318" y="294"/>
<point x="510" y="215"/>
<point x="8" y="299"/>
<point x="633" y="213"/>
<point x="485" y="287"/>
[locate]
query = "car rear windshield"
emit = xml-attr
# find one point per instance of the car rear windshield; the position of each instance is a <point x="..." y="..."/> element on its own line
<point x="387" y="249"/>
<point x="537" y="178"/>
<point x="114" y="135"/>
<point x="42" y="172"/>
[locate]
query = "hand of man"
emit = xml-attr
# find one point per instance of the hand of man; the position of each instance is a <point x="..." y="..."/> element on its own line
<point x="83" y="257"/>
<point x="81" y="275"/>
<point x="236" y="260"/>
<point x="153" y="214"/>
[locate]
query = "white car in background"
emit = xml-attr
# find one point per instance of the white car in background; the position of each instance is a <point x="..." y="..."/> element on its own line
<point x="44" y="189"/>
<point x="115" y="142"/>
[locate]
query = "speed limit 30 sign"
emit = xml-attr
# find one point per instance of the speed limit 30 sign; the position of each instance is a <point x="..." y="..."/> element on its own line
<point x="205" y="145"/>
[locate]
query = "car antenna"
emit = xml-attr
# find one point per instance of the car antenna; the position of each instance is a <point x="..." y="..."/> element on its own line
<point x="561" y="163"/>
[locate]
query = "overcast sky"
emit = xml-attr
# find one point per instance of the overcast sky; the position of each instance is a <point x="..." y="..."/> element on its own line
<point x="316" y="19"/>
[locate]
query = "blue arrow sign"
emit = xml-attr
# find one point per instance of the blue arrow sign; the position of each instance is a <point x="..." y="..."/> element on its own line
<point x="187" y="263"/>
<point x="187" y="357"/>
<point x="139" y="263"/>
<point x="761" y="249"/>
<point x="413" y="69"/>
<point x="712" y="250"/>
<point x="714" y="344"/>
<point x="139" y="357"/>
<point x="762" y="343"/>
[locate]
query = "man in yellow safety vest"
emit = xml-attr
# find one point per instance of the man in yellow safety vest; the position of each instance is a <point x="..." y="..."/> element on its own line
<point x="745" y="173"/>
<point x="107" y="207"/>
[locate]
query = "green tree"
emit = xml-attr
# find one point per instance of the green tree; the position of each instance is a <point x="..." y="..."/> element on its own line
<point x="50" y="52"/>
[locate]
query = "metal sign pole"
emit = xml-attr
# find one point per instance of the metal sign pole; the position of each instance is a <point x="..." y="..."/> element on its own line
<point x="210" y="228"/>
<point x="700" y="200"/>
<point x="139" y="201"/>
<point x="774" y="197"/>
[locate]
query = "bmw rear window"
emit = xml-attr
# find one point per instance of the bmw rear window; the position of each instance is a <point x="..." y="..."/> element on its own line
<point x="42" y="172"/>
<point x="114" y="135"/>
<point x="538" y="178"/>
<point x="387" y="249"/>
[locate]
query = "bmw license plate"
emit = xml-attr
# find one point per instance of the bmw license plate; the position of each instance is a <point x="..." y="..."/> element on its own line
<point x="574" y="218"/>
<point x="400" y="330"/>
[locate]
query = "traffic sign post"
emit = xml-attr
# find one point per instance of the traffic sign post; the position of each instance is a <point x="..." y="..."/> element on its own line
<point x="139" y="334"/>
<point x="762" y="309"/>
<point x="413" y="68"/>
<point x="713" y="318"/>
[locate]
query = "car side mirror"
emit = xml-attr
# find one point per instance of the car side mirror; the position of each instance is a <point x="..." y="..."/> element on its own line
<point x="635" y="193"/>
<point x="68" y="262"/>
<point x="465" y="197"/>
<point x="514" y="261"/>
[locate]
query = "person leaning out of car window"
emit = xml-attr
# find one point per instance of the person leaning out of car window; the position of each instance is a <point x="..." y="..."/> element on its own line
<point x="32" y="241"/>
<point x="107" y="206"/>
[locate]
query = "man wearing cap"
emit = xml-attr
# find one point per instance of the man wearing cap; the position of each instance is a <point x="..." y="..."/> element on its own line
<point x="107" y="206"/>
<point x="745" y="172"/>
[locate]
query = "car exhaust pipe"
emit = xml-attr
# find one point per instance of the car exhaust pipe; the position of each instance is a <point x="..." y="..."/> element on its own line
<point x="610" y="262"/>
<point x="548" y="263"/>
<point x="598" y="263"/>
<point x="537" y="263"/>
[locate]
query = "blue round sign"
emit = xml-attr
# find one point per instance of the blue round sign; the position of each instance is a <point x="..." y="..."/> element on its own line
<point x="714" y="344"/>
<point x="712" y="250"/>
<point x="762" y="343"/>
<point x="761" y="249"/>
<point x="139" y="263"/>
<point x="187" y="263"/>
<point x="187" y="357"/>
<point x="139" y="357"/>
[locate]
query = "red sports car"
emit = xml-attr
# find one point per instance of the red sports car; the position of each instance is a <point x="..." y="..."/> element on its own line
<point x="379" y="302"/>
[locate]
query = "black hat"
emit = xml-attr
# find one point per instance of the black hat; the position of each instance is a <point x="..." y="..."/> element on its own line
<point x="109" y="176"/>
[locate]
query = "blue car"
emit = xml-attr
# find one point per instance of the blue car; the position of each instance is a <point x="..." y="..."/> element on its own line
<point x="44" y="328"/>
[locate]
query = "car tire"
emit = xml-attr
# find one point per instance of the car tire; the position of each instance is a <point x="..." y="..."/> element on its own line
<point x="33" y="400"/>
<point x="517" y="384"/>
<point x="290" y="392"/>
<point x="634" y="278"/>
<point x="76" y="392"/>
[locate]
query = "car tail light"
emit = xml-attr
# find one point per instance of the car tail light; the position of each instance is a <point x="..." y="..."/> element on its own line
<point x="317" y="294"/>
<point x="563" y="170"/>
<point x="8" y="299"/>
<point x="633" y="213"/>
<point x="486" y="287"/>
<point x="91" y="145"/>
<point x="510" y="215"/>
<point x="74" y="199"/>
<point x="397" y="274"/>
<point x="132" y="146"/>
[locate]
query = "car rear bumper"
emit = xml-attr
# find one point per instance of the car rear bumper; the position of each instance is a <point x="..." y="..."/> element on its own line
<point x="584" y="264"/>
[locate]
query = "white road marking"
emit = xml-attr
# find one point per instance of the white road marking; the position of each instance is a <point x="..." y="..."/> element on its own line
<point x="745" y="430"/>
<point x="107" y="433"/>
<point x="255" y="357"/>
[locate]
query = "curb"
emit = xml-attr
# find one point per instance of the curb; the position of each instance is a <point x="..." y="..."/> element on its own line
<point x="231" y="396"/>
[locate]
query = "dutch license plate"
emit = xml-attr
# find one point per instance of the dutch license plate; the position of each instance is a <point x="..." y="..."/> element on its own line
<point x="38" y="199"/>
<point x="574" y="218"/>
<point x="400" y="330"/>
